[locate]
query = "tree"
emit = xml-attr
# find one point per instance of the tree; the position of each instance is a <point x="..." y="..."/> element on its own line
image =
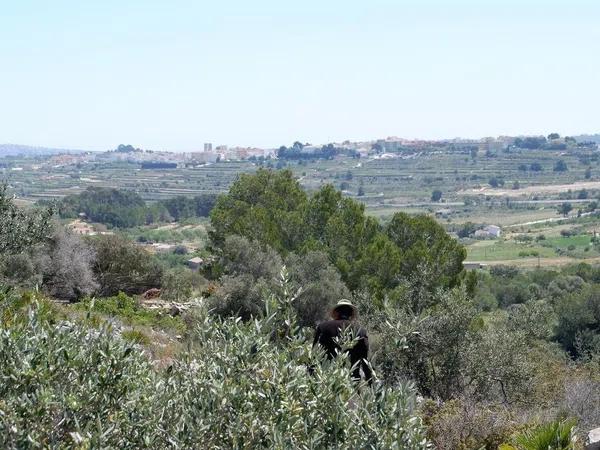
<point x="530" y="142"/>
<point x="425" y="243"/>
<point x="319" y="283"/>
<point x="588" y="173"/>
<point x="21" y="229"/>
<point x="467" y="229"/>
<point x="241" y="256"/>
<point x="67" y="267"/>
<point x="361" y="191"/>
<point x="560" y="166"/>
<point x="435" y="341"/>
<point x="266" y="206"/>
<point x="494" y="182"/>
<point x="436" y="196"/>
<point x="553" y="136"/>
<point x="262" y="209"/>
<point x="121" y="265"/>
<point x="565" y="208"/>
<point x="579" y="321"/>
<point x="497" y="365"/>
<point x="536" y="167"/>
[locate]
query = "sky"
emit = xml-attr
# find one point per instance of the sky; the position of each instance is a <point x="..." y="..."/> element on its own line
<point x="171" y="75"/>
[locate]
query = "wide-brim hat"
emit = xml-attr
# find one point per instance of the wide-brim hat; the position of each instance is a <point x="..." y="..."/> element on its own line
<point x="345" y="303"/>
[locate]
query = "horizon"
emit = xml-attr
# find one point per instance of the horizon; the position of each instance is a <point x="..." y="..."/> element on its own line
<point x="214" y="144"/>
<point x="171" y="77"/>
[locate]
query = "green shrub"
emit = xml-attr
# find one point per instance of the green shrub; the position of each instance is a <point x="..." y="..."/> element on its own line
<point x="558" y="435"/>
<point x="242" y="385"/>
<point x="135" y="337"/>
<point x="129" y="310"/>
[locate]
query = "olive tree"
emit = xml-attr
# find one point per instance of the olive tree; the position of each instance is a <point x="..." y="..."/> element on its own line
<point x="67" y="266"/>
<point x="20" y="229"/>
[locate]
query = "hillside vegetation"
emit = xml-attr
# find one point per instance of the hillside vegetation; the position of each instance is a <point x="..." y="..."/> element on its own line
<point x="461" y="359"/>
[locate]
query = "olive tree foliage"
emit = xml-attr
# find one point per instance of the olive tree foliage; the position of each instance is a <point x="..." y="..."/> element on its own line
<point x="20" y="229"/>
<point x="20" y="270"/>
<point x="122" y="266"/>
<point x="578" y="328"/>
<point x="242" y="256"/>
<point x="241" y="385"/>
<point x="251" y="270"/>
<point x="318" y="284"/>
<point x="426" y="346"/>
<point x="67" y="266"/>
<point x="445" y="346"/>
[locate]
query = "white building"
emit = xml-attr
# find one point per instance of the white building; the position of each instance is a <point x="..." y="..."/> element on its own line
<point x="490" y="231"/>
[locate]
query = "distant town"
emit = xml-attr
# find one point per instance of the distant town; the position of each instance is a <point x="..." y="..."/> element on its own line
<point x="390" y="147"/>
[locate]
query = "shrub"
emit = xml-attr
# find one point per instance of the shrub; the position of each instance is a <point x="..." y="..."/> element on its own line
<point x="243" y="385"/>
<point x="320" y="283"/>
<point x="20" y="229"/>
<point x="557" y="435"/>
<point x="121" y="265"/>
<point x="67" y="267"/>
<point x="131" y="312"/>
<point x="135" y="337"/>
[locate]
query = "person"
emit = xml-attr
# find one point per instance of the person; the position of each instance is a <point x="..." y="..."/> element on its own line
<point x="343" y="316"/>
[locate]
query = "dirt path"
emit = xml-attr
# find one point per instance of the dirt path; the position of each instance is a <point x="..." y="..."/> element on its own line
<point x="543" y="262"/>
<point x="535" y="189"/>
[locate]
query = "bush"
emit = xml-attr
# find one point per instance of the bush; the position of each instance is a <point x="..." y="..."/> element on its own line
<point x="67" y="267"/>
<point x="178" y="285"/>
<point x="462" y="424"/>
<point x="239" y="296"/>
<point x="20" y="270"/>
<point x="121" y="265"/>
<point x="129" y="310"/>
<point x="20" y="229"/>
<point x="558" y="435"/>
<point x="66" y="385"/>
<point x="320" y="283"/>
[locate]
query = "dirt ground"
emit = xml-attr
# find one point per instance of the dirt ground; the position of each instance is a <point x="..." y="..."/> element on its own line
<point x="543" y="262"/>
<point x="532" y="190"/>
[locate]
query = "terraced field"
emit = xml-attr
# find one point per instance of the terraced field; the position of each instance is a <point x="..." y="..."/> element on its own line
<point x="525" y="201"/>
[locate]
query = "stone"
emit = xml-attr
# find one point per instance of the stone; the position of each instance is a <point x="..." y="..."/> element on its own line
<point x="593" y="440"/>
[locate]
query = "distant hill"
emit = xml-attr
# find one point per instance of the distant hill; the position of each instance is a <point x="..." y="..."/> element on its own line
<point x="26" y="150"/>
<point x="588" y="138"/>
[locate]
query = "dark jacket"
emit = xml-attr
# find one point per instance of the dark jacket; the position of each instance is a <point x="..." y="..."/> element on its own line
<point x="325" y="335"/>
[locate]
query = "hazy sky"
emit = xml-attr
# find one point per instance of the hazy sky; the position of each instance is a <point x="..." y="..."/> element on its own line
<point x="174" y="74"/>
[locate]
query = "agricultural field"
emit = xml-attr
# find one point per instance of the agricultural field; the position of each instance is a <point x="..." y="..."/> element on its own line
<point x="495" y="188"/>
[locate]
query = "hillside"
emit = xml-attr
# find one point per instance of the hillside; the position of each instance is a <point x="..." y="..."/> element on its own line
<point x="28" y="151"/>
<point x="200" y="334"/>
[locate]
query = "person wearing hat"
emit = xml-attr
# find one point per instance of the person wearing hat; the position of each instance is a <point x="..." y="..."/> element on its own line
<point x="343" y="315"/>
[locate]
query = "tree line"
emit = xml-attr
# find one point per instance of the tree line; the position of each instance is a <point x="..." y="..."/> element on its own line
<point x="124" y="208"/>
<point x="297" y="152"/>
